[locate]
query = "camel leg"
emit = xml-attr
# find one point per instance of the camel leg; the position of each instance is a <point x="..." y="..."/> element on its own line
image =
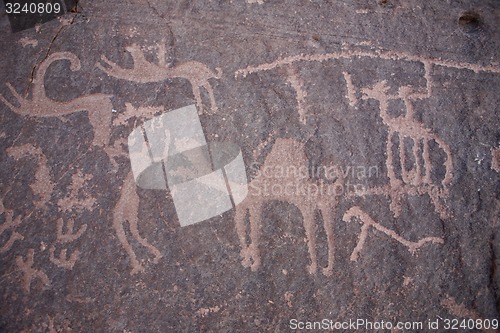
<point x="241" y="230"/>
<point x="255" y="233"/>
<point x="417" y="179"/>
<point x="310" y="227"/>
<point x="402" y="160"/>
<point x="9" y="104"/>
<point x="327" y="211"/>
<point x="133" y="223"/>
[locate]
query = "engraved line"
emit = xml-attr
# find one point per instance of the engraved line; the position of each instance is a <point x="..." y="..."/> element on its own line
<point x="349" y="54"/>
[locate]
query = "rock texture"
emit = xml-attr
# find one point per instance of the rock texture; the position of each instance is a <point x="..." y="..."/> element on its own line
<point x="369" y="131"/>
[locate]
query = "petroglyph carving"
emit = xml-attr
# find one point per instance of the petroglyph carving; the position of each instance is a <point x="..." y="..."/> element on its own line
<point x="70" y="235"/>
<point x="373" y="54"/>
<point x="63" y="260"/>
<point x="367" y="222"/>
<point x="299" y="191"/>
<point x="413" y="136"/>
<point x="298" y="85"/>
<point x="203" y="312"/>
<point x="10" y="242"/>
<point x="12" y="224"/>
<point x="42" y="187"/>
<point x="127" y="209"/>
<point x="290" y="61"/>
<point x="127" y="206"/>
<point x="26" y="41"/>
<point x="30" y="273"/>
<point x="417" y="180"/>
<point x="98" y="106"/>
<point x="144" y="71"/>
<point x="77" y="199"/>
<point x="288" y="298"/>
<point x="351" y="90"/>
<point x="495" y="159"/>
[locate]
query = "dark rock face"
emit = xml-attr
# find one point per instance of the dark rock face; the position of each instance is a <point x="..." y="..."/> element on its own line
<point x="369" y="134"/>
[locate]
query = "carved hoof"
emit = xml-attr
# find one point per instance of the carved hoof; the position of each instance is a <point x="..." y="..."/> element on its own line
<point x="328" y="271"/>
<point x="354" y="256"/>
<point x="246" y="260"/>
<point x="137" y="269"/>
<point x="312" y="268"/>
<point x="157" y="258"/>
<point x="256" y="264"/>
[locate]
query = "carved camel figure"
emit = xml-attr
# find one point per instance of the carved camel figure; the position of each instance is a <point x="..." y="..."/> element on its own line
<point x="286" y="153"/>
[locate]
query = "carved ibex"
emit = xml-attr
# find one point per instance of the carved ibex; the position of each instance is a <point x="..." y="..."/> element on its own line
<point x="98" y="106"/>
<point x="144" y="71"/>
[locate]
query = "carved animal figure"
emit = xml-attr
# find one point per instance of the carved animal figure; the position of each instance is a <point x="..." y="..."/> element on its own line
<point x="417" y="180"/>
<point x="296" y="189"/>
<point x="12" y="224"/>
<point x="98" y="106"/>
<point x="99" y="109"/>
<point x="127" y="209"/>
<point x="144" y="71"/>
<point x="367" y="222"/>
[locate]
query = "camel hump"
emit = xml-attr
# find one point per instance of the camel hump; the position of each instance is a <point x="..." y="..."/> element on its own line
<point x="287" y="152"/>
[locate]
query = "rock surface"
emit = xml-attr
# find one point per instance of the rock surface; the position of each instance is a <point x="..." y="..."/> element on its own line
<point x="389" y="110"/>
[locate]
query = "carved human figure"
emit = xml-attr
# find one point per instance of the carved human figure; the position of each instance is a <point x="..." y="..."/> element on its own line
<point x="418" y="179"/>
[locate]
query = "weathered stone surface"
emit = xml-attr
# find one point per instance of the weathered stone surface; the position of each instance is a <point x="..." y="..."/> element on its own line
<point x="388" y="111"/>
